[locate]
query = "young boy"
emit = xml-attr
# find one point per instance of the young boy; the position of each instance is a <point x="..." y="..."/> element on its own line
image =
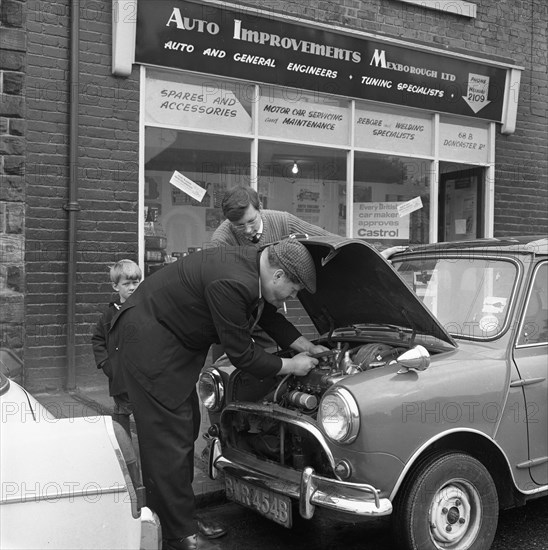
<point x="125" y="276"/>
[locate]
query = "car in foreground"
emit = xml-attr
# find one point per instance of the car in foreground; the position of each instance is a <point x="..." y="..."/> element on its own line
<point x="430" y="405"/>
<point x="68" y="483"/>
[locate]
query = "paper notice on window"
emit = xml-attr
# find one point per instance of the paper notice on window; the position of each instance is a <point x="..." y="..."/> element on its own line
<point x="410" y="206"/>
<point x="493" y="304"/>
<point x="187" y="186"/>
<point x="460" y="227"/>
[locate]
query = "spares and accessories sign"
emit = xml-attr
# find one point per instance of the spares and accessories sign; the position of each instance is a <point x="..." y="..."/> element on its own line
<point x="240" y="44"/>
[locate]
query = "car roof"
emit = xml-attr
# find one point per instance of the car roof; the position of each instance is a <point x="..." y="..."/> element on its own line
<point x="526" y="244"/>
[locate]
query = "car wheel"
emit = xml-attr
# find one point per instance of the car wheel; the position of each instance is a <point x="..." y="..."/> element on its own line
<point x="449" y="502"/>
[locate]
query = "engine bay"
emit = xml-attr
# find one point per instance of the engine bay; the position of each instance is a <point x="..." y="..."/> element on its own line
<point x="304" y="392"/>
<point x="257" y="425"/>
<point x="268" y="437"/>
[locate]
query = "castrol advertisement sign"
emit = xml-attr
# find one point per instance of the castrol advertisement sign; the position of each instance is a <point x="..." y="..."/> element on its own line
<point x="257" y="47"/>
<point x="380" y="220"/>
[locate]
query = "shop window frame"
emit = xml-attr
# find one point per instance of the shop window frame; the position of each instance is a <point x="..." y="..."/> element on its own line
<point x="350" y="149"/>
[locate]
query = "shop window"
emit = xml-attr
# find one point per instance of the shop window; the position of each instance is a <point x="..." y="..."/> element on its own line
<point x="214" y="163"/>
<point x="309" y="182"/>
<point x="294" y="146"/>
<point x="391" y="200"/>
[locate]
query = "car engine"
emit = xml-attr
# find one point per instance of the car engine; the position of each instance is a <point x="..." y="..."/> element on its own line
<point x="271" y="418"/>
<point x="304" y="392"/>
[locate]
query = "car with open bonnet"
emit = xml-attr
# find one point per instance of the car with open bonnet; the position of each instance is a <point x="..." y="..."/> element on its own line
<point x="429" y="407"/>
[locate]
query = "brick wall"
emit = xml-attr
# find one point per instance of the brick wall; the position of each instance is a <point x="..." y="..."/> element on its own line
<point x="12" y="161"/>
<point x="521" y="187"/>
<point x="109" y="145"/>
<point x="107" y="185"/>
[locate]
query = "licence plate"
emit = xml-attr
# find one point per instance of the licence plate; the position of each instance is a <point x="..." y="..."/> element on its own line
<point x="271" y="505"/>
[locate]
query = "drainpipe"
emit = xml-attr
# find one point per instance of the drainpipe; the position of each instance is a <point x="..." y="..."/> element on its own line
<point x="72" y="206"/>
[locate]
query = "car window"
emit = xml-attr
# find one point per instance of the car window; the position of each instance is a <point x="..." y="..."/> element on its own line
<point x="534" y="329"/>
<point x="469" y="296"/>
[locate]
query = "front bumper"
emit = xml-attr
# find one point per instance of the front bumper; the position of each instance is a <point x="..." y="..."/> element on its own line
<point x="308" y="488"/>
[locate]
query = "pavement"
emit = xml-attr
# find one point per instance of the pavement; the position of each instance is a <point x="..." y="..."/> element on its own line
<point x="96" y="401"/>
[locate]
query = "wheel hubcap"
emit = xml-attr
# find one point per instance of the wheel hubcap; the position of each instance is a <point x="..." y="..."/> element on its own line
<point x="455" y="515"/>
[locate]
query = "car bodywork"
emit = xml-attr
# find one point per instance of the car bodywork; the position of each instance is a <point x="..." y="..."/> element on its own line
<point x="66" y="482"/>
<point x="425" y="386"/>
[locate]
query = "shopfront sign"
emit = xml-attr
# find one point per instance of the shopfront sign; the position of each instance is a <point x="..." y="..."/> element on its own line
<point x="384" y="130"/>
<point x="463" y="143"/>
<point x="194" y="106"/>
<point x="258" y="48"/>
<point x="304" y="120"/>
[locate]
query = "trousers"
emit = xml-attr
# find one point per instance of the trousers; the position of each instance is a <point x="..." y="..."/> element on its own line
<point x="166" y="448"/>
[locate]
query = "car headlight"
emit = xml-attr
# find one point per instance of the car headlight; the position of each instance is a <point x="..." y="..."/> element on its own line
<point x="339" y="416"/>
<point x="211" y="389"/>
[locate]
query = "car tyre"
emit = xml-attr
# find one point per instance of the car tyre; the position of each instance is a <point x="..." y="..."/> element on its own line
<point x="449" y="502"/>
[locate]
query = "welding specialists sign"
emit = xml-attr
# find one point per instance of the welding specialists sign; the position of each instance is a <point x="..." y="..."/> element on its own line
<point x="244" y="45"/>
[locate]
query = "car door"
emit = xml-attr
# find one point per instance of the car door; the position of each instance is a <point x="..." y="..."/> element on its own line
<point x="530" y="355"/>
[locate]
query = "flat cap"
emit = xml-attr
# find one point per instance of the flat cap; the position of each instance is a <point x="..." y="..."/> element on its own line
<point x="295" y="260"/>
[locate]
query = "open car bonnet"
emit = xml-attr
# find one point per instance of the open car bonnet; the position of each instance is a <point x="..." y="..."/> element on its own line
<point x="356" y="285"/>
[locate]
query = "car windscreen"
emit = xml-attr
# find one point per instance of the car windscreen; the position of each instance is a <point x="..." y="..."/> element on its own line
<point x="470" y="296"/>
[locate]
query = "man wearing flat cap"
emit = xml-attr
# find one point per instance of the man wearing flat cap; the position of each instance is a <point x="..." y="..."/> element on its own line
<point x="161" y="337"/>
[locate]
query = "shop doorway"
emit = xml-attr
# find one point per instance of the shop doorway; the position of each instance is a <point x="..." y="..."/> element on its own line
<point x="461" y="205"/>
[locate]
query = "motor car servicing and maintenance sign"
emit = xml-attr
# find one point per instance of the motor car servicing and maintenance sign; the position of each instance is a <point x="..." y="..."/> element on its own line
<point x="245" y="45"/>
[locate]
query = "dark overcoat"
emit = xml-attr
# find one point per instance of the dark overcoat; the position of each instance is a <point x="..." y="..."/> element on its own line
<point x="164" y="330"/>
<point x="116" y="383"/>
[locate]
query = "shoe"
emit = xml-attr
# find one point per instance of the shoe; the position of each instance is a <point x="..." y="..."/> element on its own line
<point x="188" y="543"/>
<point x="210" y="529"/>
<point x="194" y="542"/>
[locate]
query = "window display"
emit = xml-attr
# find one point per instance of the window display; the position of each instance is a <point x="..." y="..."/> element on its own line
<point x="383" y="187"/>
<point x="209" y="161"/>
<point x="354" y="168"/>
<point x="306" y="181"/>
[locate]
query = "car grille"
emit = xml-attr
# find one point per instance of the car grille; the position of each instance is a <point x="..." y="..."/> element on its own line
<point x="276" y="435"/>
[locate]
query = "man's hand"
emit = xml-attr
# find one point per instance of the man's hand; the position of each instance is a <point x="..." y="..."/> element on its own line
<point x="388" y="252"/>
<point x="314" y="348"/>
<point x="304" y="344"/>
<point x="299" y="365"/>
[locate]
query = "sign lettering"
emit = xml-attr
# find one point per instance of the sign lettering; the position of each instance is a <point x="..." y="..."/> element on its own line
<point x="464" y="143"/>
<point x="194" y="106"/>
<point x="187" y="186"/>
<point x="387" y="130"/>
<point x="304" y="119"/>
<point x="380" y="220"/>
<point x="207" y="39"/>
